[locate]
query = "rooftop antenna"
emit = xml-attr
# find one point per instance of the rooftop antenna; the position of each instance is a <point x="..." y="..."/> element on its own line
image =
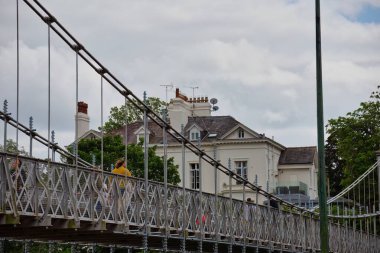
<point x="194" y="88"/>
<point x="166" y="90"/>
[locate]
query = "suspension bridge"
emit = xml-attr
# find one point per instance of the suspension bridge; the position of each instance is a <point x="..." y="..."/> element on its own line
<point x="45" y="201"/>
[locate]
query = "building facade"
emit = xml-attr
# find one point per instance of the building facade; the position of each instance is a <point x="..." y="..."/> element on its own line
<point x="263" y="161"/>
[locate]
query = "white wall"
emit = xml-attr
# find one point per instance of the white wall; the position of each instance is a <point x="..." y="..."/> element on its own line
<point x="179" y="111"/>
<point x="83" y="121"/>
<point x="256" y="155"/>
<point x="303" y="173"/>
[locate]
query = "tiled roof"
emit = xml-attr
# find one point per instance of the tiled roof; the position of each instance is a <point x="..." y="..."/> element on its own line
<point x="298" y="155"/>
<point x="218" y="125"/>
<point x="155" y="135"/>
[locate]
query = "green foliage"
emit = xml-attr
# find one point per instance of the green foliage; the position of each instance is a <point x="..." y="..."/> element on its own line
<point x="35" y="247"/>
<point x="334" y="165"/>
<point x="114" y="149"/>
<point x="118" y="114"/>
<point x="353" y="141"/>
<point x="12" y="148"/>
<point x="155" y="164"/>
<point x="16" y="247"/>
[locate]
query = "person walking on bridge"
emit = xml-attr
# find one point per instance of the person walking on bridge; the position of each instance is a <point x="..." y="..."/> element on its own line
<point x="121" y="169"/>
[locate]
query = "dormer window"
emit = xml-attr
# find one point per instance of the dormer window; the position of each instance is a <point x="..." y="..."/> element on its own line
<point x="140" y="133"/>
<point x="140" y="137"/>
<point x="194" y="135"/>
<point x="241" y="134"/>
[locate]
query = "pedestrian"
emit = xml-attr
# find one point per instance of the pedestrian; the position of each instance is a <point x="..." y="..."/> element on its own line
<point x="121" y="169"/>
<point x="18" y="177"/>
<point x="247" y="209"/>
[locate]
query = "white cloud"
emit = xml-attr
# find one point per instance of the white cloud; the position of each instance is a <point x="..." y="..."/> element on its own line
<point x="256" y="57"/>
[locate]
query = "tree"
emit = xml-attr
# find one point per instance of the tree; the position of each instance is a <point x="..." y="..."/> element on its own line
<point x="12" y="148"/>
<point x="334" y="165"/>
<point x="114" y="149"/>
<point x="117" y="114"/>
<point x="353" y="140"/>
<point x="155" y="164"/>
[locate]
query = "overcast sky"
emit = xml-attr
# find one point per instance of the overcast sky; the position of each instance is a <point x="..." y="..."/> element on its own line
<point x="256" y="57"/>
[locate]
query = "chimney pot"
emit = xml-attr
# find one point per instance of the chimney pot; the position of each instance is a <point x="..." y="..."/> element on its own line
<point x="82" y="107"/>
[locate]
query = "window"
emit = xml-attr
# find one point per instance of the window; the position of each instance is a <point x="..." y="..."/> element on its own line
<point x="140" y="137"/>
<point x="241" y="134"/>
<point x="241" y="169"/>
<point x="194" y="175"/>
<point x="140" y="133"/>
<point x="194" y="136"/>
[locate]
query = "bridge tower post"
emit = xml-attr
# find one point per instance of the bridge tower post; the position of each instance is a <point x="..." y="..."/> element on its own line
<point x="256" y="211"/>
<point x="165" y="144"/>
<point x="183" y="244"/>
<point x="31" y="136"/>
<point x="230" y="214"/>
<point x="269" y="220"/>
<point x="216" y="204"/>
<point x="53" y="149"/>
<point x="378" y="194"/>
<point x="324" y="232"/>
<point x="378" y="176"/>
<point x="5" y="110"/>
<point x="201" y="213"/>
<point x="146" y="183"/>
<point x="246" y="219"/>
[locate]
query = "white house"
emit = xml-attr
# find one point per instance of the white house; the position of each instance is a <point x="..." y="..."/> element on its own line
<point x="289" y="172"/>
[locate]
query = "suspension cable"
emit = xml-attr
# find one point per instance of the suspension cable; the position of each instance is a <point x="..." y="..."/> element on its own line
<point x="101" y="125"/>
<point x="126" y="132"/>
<point x="76" y="107"/>
<point x="122" y="89"/>
<point x="352" y="185"/>
<point x="49" y="92"/>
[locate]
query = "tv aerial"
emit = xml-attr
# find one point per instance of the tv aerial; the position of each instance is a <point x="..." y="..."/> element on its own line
<point x="214" y="107"/>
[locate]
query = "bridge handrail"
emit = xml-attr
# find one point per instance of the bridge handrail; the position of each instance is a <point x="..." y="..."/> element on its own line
<point x="34" y="134"/>
<point x="261" y="223"/>
<point x="351" y="186"/>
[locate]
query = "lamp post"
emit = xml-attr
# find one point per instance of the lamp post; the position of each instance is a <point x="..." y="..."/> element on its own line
<point x="324" y="233"/>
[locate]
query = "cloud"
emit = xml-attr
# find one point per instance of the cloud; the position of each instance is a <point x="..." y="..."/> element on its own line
<point x="256" y="57"/>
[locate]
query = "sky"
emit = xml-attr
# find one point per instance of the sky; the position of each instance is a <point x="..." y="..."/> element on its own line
<point x="256" y="57"/>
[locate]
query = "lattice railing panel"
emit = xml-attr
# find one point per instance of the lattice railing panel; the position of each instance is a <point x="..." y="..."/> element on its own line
<point x="62" y="191"/>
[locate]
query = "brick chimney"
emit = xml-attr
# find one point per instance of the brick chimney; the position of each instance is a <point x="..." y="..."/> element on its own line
<point x="181" y="108"/>
<point x="82" y="119"/>
<point x="82" y="107"/>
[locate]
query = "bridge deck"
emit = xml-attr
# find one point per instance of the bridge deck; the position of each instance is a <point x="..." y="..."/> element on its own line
<point x="53" y="201"/>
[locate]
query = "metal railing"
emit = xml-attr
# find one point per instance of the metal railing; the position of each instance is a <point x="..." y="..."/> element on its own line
<point x="47" y="190"/>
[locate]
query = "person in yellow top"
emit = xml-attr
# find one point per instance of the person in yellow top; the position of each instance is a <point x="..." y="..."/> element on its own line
<point x="121" y="169"/>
